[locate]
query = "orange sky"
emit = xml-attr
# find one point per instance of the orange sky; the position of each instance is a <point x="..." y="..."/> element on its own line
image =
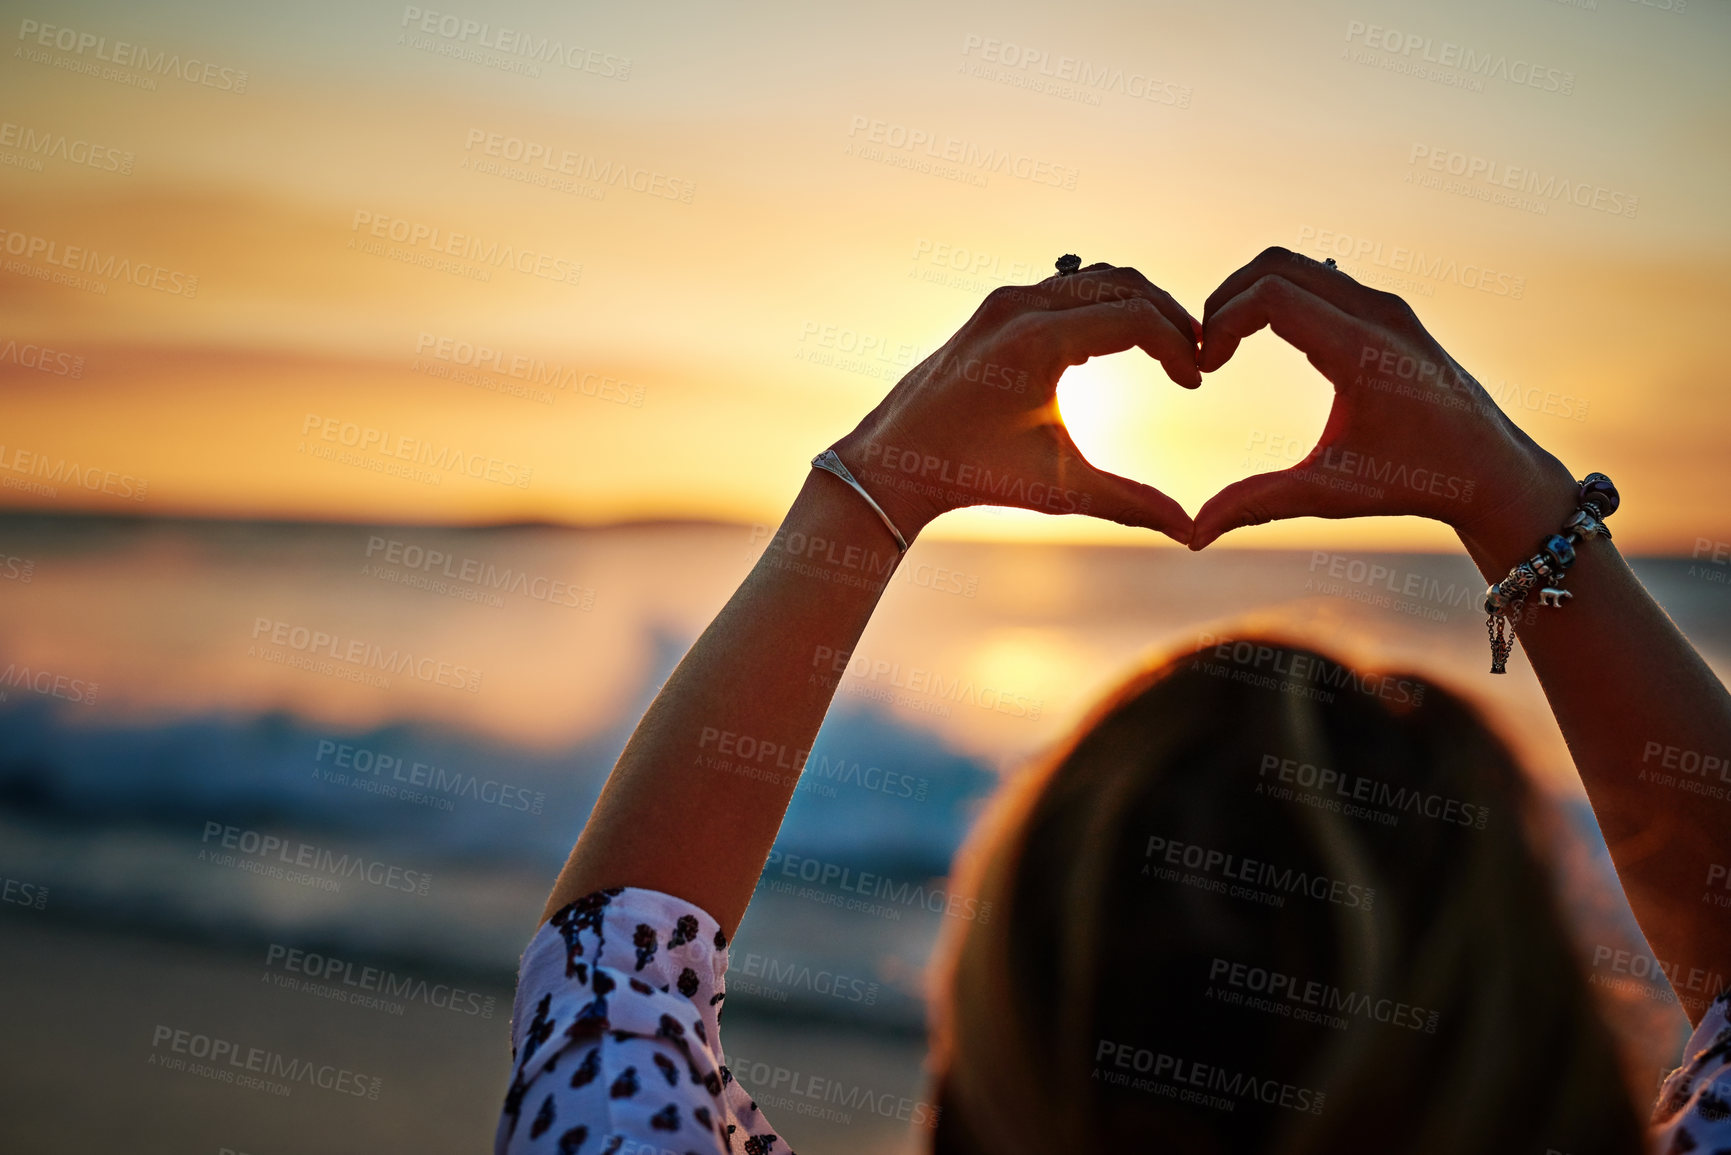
<point x="785" y="257"/>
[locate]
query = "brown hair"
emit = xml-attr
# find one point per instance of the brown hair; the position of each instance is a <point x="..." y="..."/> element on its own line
<point x="1299" y="976"/>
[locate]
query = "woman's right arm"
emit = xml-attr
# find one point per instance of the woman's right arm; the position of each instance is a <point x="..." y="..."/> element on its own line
<point x="1411" y="432"/>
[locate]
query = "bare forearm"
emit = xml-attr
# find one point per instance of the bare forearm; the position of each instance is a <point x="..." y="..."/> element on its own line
<point x="1621" y="680"/>
<point x="694" y="803"/>
<point x="1626" y="687"/>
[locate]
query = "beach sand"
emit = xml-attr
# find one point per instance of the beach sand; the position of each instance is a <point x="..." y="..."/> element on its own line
<point x="82" y="1070"/>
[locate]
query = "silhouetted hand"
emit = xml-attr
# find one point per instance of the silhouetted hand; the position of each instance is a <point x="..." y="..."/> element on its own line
<point x="977" y="422"/>
<point x="1410" y="432"/>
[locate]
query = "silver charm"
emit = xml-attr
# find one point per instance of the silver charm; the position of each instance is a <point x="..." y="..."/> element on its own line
<point x="1520" y="582"/>
<point x="1552" y="596"/>
<point x="1584" y="524"/>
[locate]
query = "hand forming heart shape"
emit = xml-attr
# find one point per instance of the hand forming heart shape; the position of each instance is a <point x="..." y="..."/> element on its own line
<point x="1410" y="432"/>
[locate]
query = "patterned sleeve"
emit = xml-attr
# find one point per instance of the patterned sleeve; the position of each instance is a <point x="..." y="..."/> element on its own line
<point x="615" y="1036"/>
<point x="1694" y="1108"/>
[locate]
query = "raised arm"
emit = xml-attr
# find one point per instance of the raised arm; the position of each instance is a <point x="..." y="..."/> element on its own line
<point x="694" y="803"/>
<point x="1411" y="432"/>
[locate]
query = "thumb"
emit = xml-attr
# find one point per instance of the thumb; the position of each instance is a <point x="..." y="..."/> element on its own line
<point x="1130" y="502"/>
<point x="1256" y="500"/>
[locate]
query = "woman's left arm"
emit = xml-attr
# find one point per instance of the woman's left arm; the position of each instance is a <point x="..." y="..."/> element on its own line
<point x="694" y="803"/>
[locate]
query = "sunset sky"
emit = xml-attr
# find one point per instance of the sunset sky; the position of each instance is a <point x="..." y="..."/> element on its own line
<point x="787" y="252"/>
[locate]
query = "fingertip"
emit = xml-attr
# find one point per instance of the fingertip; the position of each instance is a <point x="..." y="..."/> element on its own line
<point x="1184" y="373"/>
<point x="1171" y="520"/>
<point x="1212" y="521"/>
<point x="1211" y="529"/>
<point x="1218" y="347"/>
<point x="1178" y="531"/>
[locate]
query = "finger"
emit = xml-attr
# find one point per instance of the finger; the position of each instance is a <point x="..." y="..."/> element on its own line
<point x="1332" y="285"/>
<point x="1059" y="280"/>
<point x="1074" y="335"/>
<point x="1317" y="328"/>
<point x="1123" y="282"/>
<point x="1129" y="502"/>
<point x="1254" y="501"/>
<point x="1162" y="300"/>
<point x="1103" y="282"/>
